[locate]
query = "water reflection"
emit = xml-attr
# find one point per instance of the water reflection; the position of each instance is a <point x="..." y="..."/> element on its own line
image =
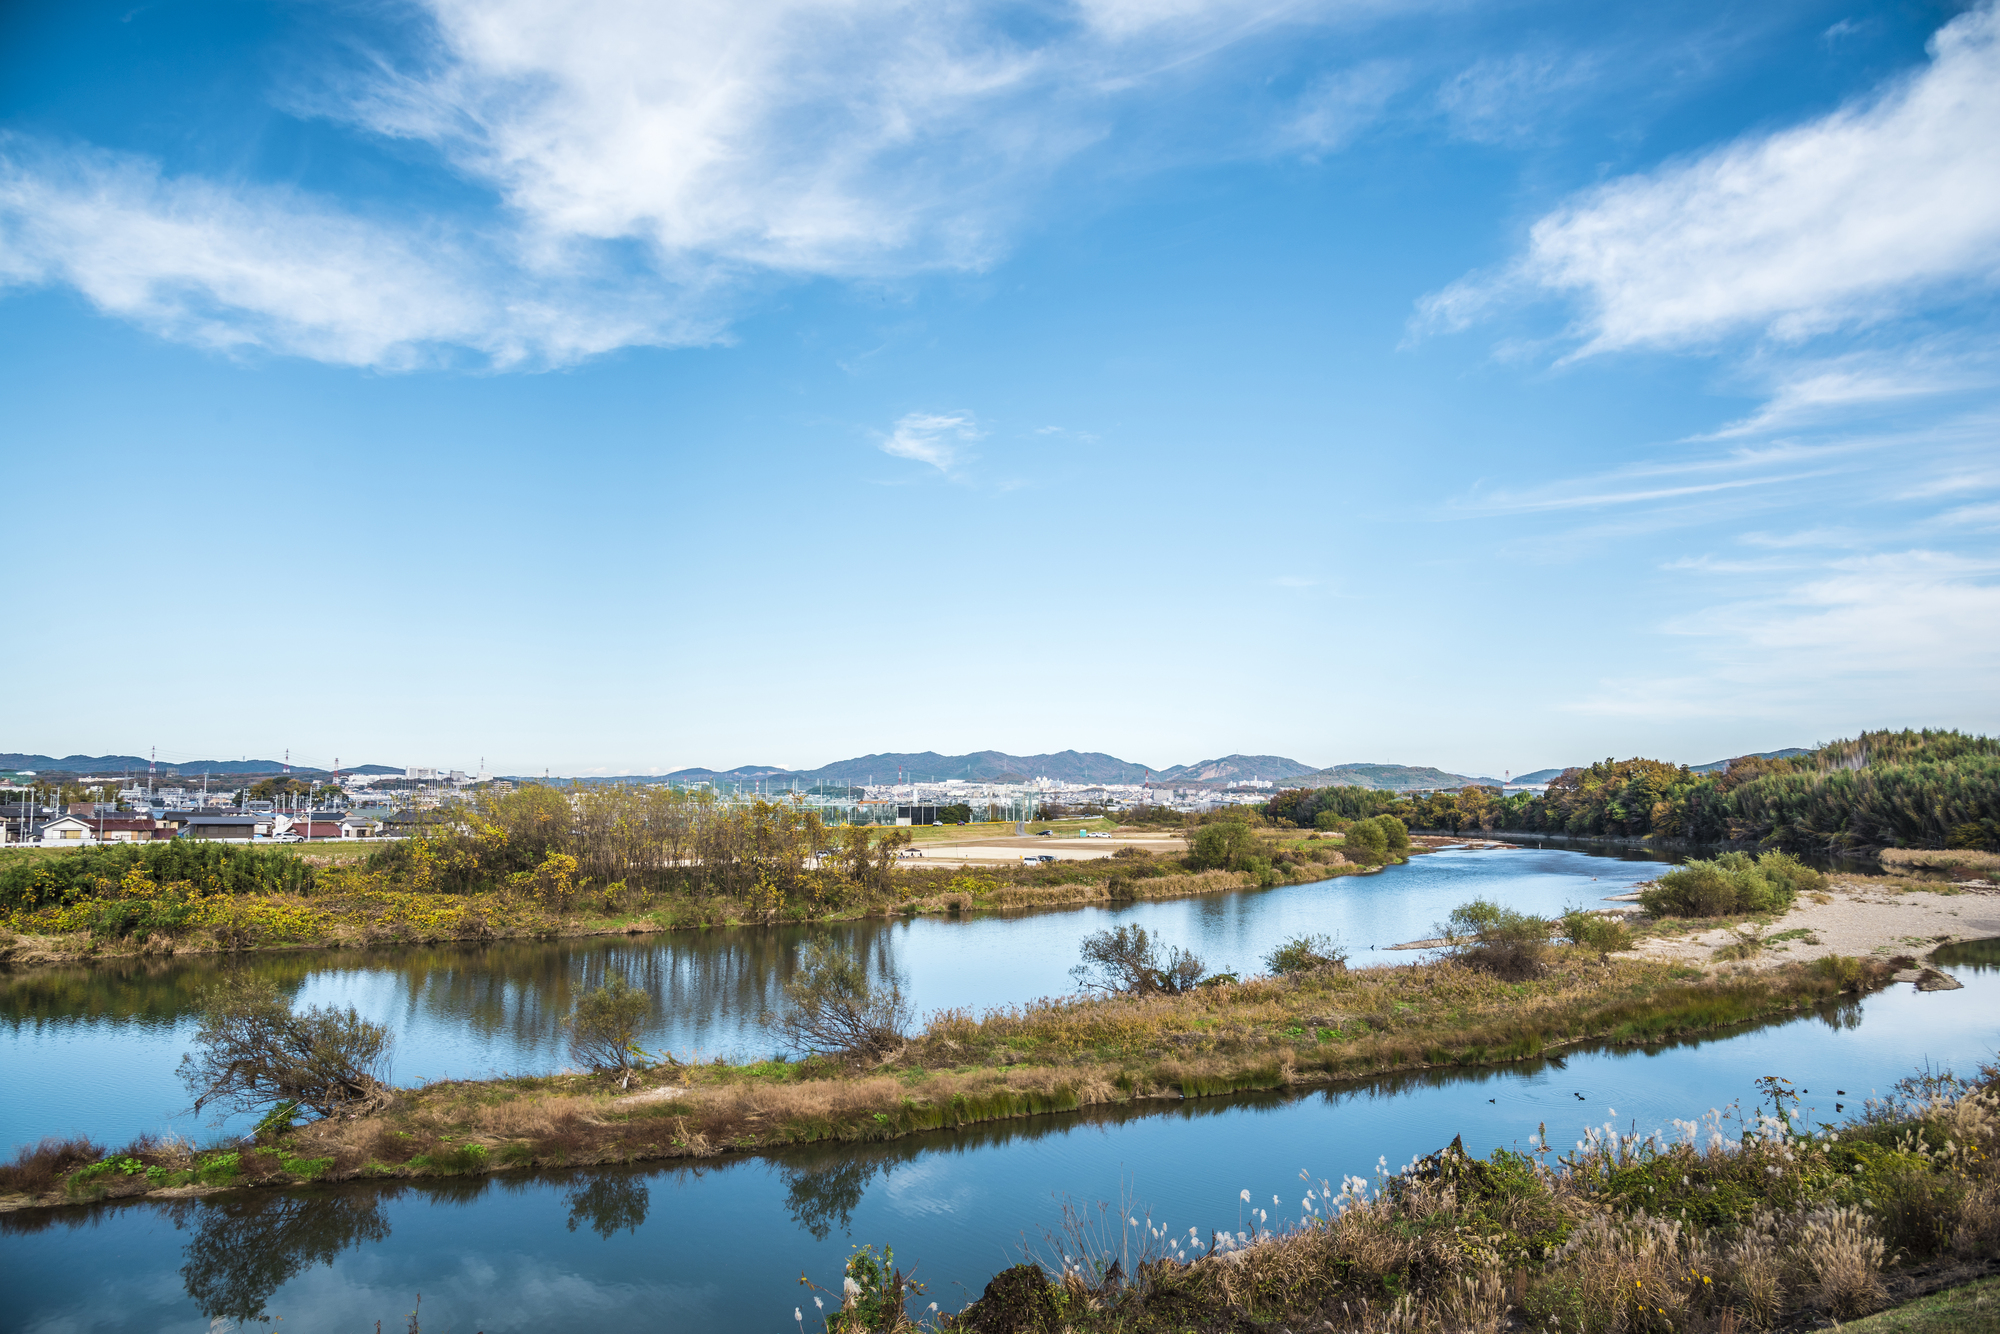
<point x="609" y="1203"/>
<point x="93" y="1048"/>
<point x="718" y="1245"/>
<point x="823" y="1188"/>
<point x="1978" y="956"/>
<point x="245" y="1247"/>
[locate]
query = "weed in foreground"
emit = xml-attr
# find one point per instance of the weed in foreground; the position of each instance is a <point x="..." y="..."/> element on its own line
<point x="1735" y="1222"/>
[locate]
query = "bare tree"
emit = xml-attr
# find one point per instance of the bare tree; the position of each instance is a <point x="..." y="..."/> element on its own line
<point x="253" y="1050"/>
<point x="1127" y="962"/>
<point x="835" y="1009"/>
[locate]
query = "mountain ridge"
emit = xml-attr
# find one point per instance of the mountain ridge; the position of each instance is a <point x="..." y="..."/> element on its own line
<point x="137" y="764"/>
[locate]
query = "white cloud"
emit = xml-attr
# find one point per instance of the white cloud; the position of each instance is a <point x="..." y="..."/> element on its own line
<point x="1499" y="101"/>
<point x="1973" y="516"/>
<point x="1805" y="393"/>
<point x="1339" y="106"/>
<point x="641" y="162"/>
<point x="1899" y="611"/>
<point x="272" y="268"/>
<point x="934" y="438"/>
<point x="1847" y="218"/>
<point x="1867" y="636"/>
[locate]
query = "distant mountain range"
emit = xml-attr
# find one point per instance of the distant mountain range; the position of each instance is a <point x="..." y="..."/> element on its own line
<point x="1069" y="766"/>
<point x="136" y="764"/>
<point x="981" y="766"/>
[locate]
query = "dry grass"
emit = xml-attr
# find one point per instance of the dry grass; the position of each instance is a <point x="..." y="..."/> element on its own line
<point x="1051" y="1055"/>
<point x="1761" y="1228"/>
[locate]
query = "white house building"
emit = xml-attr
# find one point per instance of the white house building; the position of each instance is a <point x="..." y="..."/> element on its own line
<point x="68" y="832"/>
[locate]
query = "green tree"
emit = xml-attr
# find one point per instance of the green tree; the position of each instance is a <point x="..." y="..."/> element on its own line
<point x="604" y="1027"/>
<point x="253" y="1051"/>
<point x="1219" y="847"/>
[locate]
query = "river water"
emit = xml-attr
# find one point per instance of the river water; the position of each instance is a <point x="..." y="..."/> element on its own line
<point x="721" y="1246"/>
<point x="93" y="1049"/>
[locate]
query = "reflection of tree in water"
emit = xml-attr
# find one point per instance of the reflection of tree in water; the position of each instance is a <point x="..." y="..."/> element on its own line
<point x="244" y="1249"/>
<point x="1842" y="1015"/>
<point x="823" y="1194"/>
<point x="608" y="1203"/>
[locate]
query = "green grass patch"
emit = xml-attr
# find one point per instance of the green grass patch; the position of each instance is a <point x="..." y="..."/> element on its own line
<point x="1972" y="1309"/>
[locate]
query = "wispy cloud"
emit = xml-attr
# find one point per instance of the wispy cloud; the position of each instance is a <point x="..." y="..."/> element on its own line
<point x="642" y="166"/>
<point x="1843" y="388"/>
<point x="1860" y="637"/>
<point x="278" y="269"/>
<point x="1501" y="100"/>
<point x="1340" y="105"/>
<point x="1839" y="221"/>
<point x="938" y="439"/>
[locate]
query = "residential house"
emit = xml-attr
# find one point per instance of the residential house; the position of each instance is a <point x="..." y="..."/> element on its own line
<point x="357" y="825"/>
<point x="67" y="831"/>
<point x="125" y="828"/>
<point x="226" y="828"/>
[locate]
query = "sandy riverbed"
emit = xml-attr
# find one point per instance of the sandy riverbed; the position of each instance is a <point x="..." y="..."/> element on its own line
<point x="1861" y="915"/>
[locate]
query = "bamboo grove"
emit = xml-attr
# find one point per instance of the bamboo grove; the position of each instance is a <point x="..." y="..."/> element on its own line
<point x="1928" y="789"/>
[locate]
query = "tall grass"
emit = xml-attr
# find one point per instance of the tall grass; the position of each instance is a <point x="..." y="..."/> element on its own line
<point x="1735" y="1221"/>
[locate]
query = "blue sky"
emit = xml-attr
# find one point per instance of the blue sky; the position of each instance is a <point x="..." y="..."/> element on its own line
<point x="613" y="386"/>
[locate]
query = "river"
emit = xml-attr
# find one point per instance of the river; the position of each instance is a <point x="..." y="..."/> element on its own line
<point x="92" y="1049"/>
<point x="720" y="1246"/>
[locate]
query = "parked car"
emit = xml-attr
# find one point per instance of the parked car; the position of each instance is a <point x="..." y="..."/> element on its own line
<point x="288" y="837"/>
<point x="1043" y="833"/>
<point x="1038" y="857"/>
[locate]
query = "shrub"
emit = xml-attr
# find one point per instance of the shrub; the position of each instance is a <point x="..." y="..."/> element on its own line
<point x="1507" y="943"/>
<point x="834" y="1009"/>
<point x="604" y="1027"/>
<point x="37" y="1167"/>
<point x="1306" y="954"/>
<point x="253" y="1050"/>
<point x="1734" y="882"/>
<point x="1224" y="846"/>
<point x="1127" y="962"/>
<point x="1395" y="834"/>
<point x="1365" y="842"/>
<point x="213" y="867"/>
<point x="1595" y="931"/>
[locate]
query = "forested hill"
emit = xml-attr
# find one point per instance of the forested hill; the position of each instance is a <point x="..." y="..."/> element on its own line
<point x="1928" y="789"/>
<point x="1389" y="777"/>
<point x="1236" y="769"/>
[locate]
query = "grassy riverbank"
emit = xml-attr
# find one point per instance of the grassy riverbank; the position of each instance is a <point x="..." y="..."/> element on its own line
<point x="1047" y="1056"/>
<point x="1734" y="1223"/>
<point x="344" y="905"/>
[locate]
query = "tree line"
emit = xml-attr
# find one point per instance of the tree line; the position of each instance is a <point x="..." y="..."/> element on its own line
<point x="551" y="842"/>
<point x="1924" y="789"/>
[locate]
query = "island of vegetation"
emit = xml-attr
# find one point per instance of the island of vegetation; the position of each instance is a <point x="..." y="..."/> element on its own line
<point x="1148" y="1021"/>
